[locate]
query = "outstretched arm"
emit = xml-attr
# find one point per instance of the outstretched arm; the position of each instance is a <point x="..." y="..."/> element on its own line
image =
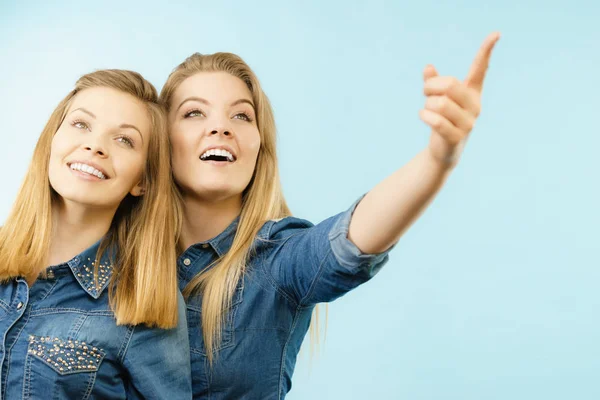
<point x="451" y="110"/>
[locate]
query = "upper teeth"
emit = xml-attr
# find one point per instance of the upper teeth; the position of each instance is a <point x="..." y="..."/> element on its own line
<point x="217" y="152"/>
<point x="87" y="169"/>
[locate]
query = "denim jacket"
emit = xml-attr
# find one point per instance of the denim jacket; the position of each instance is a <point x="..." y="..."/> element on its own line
<point x="60" y="340"/>
<point x="294" y="266"/>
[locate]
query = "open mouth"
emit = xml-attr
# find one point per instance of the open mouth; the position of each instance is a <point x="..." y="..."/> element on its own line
<point x="218" y="155"/>
<point x="87" y="169"/>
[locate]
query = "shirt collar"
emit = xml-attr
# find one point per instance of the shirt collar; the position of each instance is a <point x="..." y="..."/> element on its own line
<point x="223" y="241"/>
<point x="82" y="267"/>
<point x="220" y="244"/>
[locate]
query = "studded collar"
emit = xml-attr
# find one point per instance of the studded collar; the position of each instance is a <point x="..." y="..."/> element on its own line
<point x="83" y="266"/>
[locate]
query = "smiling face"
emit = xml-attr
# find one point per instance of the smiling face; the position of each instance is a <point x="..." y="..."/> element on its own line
<point x="214" y="136"/>
<point x="98" y="155"/>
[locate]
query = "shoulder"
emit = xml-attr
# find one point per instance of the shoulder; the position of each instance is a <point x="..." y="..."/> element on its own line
<point x="282" y="228"/>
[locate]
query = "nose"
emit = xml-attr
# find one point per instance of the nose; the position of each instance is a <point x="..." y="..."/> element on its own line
<point x="220" y="125"/>
<point x="223" y="131"/>
<point x="96" y="149"/>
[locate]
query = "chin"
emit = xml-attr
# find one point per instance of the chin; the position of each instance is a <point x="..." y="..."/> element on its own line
<point x="86" y="199"/>
<point x="214" y="192"/>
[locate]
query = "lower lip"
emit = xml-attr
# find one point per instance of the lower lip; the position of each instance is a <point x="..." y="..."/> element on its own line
<point x="85" y="176"/>
<point x="218" y="163"/>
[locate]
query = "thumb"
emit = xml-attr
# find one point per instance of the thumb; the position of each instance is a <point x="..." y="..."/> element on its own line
<point x="429" y="72"/>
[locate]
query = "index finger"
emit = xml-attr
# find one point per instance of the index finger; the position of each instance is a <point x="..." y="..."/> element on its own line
<point x="480" y="64"/>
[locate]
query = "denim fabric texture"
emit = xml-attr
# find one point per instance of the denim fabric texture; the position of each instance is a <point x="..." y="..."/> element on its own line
<point x="295" y="265"/>
<point x="60" y="340"/>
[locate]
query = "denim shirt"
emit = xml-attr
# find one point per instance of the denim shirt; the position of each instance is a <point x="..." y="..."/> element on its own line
<point x="294" y="266"/>
<point x="60" y="340"/>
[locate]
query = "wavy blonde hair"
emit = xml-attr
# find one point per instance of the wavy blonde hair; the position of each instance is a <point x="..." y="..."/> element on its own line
<point x="143" y="289"/>
<point x="262" y="200"/>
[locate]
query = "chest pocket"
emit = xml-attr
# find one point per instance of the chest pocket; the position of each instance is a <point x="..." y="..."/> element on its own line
<point x="194" y="319"/>
<point x="57" y="368"/>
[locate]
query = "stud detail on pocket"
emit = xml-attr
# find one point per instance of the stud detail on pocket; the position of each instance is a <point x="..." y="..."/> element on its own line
<point x="66" y="356"/>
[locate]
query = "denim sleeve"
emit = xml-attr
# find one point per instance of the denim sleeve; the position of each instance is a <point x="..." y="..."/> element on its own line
<point x="315" y="264"/>
<point x="158" y="361"/>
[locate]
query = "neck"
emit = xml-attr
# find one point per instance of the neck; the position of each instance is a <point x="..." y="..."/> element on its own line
<point x="76" y="228"/>
<point x="205" y="219"/>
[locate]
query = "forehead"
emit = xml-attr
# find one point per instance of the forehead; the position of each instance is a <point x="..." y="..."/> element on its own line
<point x="215" y="87"/>
<point x="112" y="107"/>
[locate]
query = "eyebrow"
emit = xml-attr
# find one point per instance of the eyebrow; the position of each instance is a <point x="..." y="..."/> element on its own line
<point x="240" y="101"/>
<point x="193" y="98"/>
<point x="91" y="114"/>
<point x="206" y="102"/>
<point x="122" y="126"/>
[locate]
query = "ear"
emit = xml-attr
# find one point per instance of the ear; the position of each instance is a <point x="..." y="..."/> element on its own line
<point x="138" y="190"/>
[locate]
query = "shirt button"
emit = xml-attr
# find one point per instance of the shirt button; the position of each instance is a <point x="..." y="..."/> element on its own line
<point x="19" y="306"/>
<point x="187" y="262"/>
<point x="205" y="246"/>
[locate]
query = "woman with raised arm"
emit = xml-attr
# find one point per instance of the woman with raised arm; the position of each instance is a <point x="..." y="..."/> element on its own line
<point x="251" y="273"/>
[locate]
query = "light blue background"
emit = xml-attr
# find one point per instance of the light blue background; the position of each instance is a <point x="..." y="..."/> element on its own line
<point x="493" y="294"/>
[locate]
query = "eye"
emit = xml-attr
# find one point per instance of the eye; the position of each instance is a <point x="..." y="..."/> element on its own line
<point x="193" y="113"/>
<point x="80" y="125"/>
<point x="243" y="116"/>
<point x="126" y="140"/>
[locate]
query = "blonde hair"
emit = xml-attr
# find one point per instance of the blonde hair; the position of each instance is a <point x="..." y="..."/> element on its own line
<point x="143" y="288"/>
<point x="262" y="200"/>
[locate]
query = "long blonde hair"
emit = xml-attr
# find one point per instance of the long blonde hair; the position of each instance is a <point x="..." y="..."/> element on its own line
<point x="143" y="289"/>
<point x="261" y="201"/>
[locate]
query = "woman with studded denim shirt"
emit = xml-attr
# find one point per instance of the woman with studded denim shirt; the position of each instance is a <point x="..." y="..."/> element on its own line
<point x="89" y="304"/>
<point x="252" y="274"/>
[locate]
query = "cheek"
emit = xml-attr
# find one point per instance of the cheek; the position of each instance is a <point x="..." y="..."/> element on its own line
<point x="182" y="156"/>
<point x="59" y="145"/>
<point x="180" y="150"/>
<point x="182" y="143"/>
<point x="129" y="167"/>
<point x="60" y="148"/>
<point x="254" y="145"/>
